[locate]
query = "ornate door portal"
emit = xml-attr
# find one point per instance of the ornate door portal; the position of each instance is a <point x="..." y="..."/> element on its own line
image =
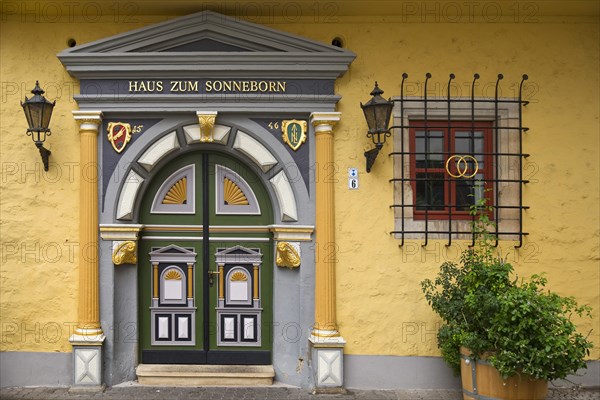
<point x="205" y="282"/>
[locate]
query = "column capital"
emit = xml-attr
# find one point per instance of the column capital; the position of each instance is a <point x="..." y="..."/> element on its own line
<point x="324" y="121"/>
<point x="88" y="120"/>
<point x="120" y="231"/>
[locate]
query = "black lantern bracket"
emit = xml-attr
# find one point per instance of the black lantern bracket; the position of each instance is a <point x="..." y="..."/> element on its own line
<point x="45" y="153"/>
<point x="38" y="111"/>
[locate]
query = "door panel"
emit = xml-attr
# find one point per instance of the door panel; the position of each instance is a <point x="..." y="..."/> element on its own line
<point x="205" y="298"/>
<point x="163" y="314"/>
<point x="240" y="301"/>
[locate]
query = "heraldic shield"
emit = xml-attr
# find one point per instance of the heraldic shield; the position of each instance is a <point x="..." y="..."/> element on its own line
<point x="119" y="134"/>
<point x="294" y="133"/>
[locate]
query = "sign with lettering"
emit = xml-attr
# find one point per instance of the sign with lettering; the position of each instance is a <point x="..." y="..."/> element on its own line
<point x="208" y="86"/>
<point x="133" y="87"/>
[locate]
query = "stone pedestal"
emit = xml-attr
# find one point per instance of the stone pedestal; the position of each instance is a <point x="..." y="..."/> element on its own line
<point x="87" y="363"/>
<point x="328" y="364"/>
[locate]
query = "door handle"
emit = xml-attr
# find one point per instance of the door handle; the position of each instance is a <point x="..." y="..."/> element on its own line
<point x="210" y="277"/>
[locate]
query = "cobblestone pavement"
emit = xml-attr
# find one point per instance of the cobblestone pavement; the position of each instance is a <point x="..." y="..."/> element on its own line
<point x="134" y="392"/>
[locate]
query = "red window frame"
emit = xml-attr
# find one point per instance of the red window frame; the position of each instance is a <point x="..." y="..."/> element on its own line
<point x="450" y="186"/>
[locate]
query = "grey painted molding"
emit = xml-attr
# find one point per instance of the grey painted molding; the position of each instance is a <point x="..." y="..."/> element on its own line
<point x="247" y="103"/>
<point x="396" y="372"/>
<point x="21" y="368"/>
<point x="280" y="53"/>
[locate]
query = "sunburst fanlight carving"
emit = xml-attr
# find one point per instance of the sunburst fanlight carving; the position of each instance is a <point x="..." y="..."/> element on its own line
<point x="173" y="275"/>
<point x="232" y="194"/>
<point x="178" y="193"/>
<point x="239" y="276"/>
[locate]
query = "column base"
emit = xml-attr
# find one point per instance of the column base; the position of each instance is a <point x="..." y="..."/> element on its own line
<point x="87" y="363"/>
<point x="322" y="336"/>
<point x="91" y="332"/>
<point x="328" y="362"/>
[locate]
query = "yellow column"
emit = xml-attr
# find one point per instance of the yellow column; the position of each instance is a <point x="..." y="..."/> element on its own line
<point x="325" y="309"/>
<point x="221" y="282"/>
<point x="155" y="280"/>
<point x="255" y="281"/>
<point x="89" y="307"/>
<point x="190" y="281"/>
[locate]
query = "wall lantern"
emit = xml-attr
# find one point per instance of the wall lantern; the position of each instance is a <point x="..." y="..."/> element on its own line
<point x="38" y="111"/>
<point x="377" y="113"/>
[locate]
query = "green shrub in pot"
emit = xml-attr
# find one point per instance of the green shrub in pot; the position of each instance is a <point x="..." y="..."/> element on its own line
<point x="522" y="326"/>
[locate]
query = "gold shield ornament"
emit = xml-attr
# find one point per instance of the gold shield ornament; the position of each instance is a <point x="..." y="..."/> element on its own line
<point x="119" y="134"/>
<point x="294" y="133"/>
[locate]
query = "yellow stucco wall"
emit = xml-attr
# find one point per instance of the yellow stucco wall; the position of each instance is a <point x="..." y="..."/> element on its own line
<point x="380" y="306"/>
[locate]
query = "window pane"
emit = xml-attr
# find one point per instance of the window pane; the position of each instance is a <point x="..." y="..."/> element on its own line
<point x="433" y="142"/>
<point x="430" y="191"/>
<point x="465" y="144"/>
<point x="468" y="192"/>
<point x="420" y="148"/>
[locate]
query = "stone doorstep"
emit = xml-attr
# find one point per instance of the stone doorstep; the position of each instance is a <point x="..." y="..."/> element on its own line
<point x="205" y="375"/>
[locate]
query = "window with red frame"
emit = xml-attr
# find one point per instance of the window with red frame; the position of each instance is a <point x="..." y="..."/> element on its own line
<point x="446" y="181"/>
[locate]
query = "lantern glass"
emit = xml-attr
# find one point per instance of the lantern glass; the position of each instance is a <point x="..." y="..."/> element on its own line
<point x="377" y="111"/>
<point x="38" y="110"/>
<point x="369" y="112"/>
<point x="383" y="113"/>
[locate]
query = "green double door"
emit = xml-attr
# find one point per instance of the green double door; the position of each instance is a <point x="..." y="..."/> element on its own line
<point x="206" y="268"/>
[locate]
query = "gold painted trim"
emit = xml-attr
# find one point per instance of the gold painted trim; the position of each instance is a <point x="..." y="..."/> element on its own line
<point x="239" y="230"/>
<point x="125" y="253"/>
<point x="190" y="281"/>
<point x="171" y="229"/>
<point x="155" y="280"/>
<point x="119" y="229"/>
<point x="211" y="230"/>
<point x="287" y="255"/>
<point x="291" y="230"/>
<point x="221" y="282"/>
<point x="255" y="281"/>
<point x="207" y="124"/>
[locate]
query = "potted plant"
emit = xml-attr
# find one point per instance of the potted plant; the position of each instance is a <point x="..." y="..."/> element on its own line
<point x="507" y="336"/>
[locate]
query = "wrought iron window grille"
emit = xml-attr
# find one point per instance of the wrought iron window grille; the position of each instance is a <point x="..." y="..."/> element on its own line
<point x="504" y="117"/>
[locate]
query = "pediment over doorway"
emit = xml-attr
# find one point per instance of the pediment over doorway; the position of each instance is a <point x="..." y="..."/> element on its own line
<point x="190" y="44"/>
<point x="206" y="61"/>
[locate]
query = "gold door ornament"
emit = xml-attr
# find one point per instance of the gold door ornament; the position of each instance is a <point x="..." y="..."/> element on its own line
<point x="462" y="166"/>
<point x="125" y="253"/>
<point x="287" y="255"/>
<point x="207" y="124"/>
